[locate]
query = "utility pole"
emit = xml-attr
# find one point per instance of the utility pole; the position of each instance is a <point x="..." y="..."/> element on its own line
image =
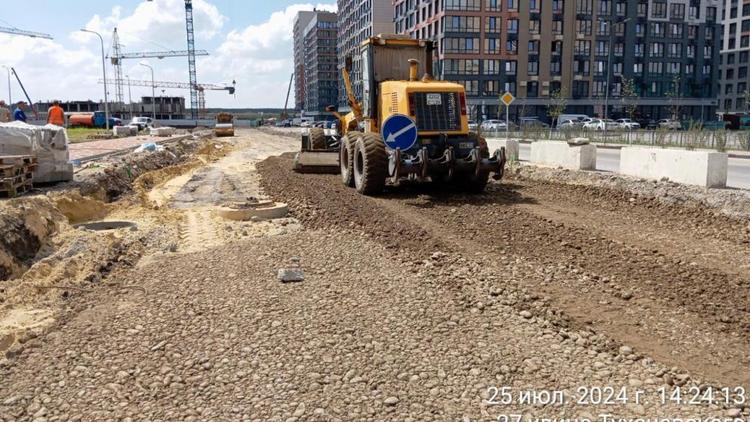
<point x="104" y="71"/>
<point x="130" y="98"/>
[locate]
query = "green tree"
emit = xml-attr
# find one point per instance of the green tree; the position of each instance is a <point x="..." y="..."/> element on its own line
<point x="674" y="96"/>
<point x="630" y="97"/>
<point x="558" y="102"/>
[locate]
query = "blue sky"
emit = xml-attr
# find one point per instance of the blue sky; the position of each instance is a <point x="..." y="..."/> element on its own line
<point x="249" y="41"/>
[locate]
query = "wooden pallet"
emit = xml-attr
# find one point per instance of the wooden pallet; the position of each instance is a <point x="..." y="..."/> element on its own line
<point x="11" y="190"/>
<point x="16" y="174"/>
<point x="7" y="171"/>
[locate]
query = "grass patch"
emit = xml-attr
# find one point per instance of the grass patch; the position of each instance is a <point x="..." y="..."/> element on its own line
<point x="81" y="134"/>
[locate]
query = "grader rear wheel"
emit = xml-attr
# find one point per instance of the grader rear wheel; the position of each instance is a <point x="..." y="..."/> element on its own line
<point x="370" y="164"/>
<point x="317" y="138"/>
<point x="476" y="183"/>
<point x="346" y="160"/>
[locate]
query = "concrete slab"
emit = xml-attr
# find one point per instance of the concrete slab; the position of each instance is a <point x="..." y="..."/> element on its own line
<point x="512" y="147"/>
<point x="701" y="168"/>
<point x="563" y="154"/>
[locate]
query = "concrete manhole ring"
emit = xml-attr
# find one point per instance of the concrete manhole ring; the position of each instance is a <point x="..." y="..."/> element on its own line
<point x="265" y="210"/>
<point x="106" y="225"/>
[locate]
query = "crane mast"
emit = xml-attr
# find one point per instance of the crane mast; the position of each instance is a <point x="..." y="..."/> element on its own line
<point x="194" y="104"/>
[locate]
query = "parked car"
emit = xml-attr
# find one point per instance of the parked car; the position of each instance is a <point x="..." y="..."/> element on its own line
<point x="473" y="126"/>
<point x="306" y="123"/>
<point x="628" y="124"/>
<point x="670" y="124"/>
<point x="532" y="123"/>
<point x="569" y="124"/>
<point x="579" y="119"/>
<point x="494" y="125"/>
<point x="600" y="124"/>
<point x="141" y="122"/>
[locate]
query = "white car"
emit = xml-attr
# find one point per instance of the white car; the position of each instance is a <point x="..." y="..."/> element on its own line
<point x="494" y="125"/>
<point x="473" y="126"/>
<point x="628" y="124"/>
<point x="600" y="124"/>
<point x="306" y="123"/>
<point x="141" y="122"/>
<point x="670" y="124"/>
<point x="570" y="124"/>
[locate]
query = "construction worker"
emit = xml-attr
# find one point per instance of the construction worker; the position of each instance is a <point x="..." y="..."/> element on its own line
<point x="18" y="113"/>
<point x="4" y="112"/>
<point x="56" y="115"/>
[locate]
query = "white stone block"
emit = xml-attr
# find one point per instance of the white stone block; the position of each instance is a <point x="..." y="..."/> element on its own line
<point x="563" y="154"/>
<point x="701" y="168"/>
<point x="512" y="148"/>
<point x="123" y="131"/>
<point x="162" y="131"/>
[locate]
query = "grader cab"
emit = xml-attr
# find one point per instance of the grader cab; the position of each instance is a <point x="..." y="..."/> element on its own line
<point x="405" y="127"/>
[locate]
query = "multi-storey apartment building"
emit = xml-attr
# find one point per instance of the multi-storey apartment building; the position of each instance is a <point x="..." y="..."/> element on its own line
<point x="665" y="50"/>
<point x="300" y="23"/>
<point x="359" y="20"/>
<point x="320" y="63"/>
<point x="734" y="92"/>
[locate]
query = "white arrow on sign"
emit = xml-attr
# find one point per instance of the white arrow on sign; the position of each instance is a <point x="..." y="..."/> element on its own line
<point x="392" y="137"/>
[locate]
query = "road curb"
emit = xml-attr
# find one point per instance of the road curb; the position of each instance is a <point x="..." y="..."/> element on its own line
<point x="608" y="146"/>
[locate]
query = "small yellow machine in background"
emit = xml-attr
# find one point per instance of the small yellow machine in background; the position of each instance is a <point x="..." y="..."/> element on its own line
<point x="224" y="124"/>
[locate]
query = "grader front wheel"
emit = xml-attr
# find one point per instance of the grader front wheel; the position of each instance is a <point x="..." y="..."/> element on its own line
<point x="370" y="164"/>
<point x="346" y="160"/>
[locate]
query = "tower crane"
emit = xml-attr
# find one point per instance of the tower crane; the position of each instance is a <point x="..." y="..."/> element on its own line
<point x="117" y="56"/>
<point x="191" y="53"/>
<point x="16" y="31"/>
<point x="198" y="88"/>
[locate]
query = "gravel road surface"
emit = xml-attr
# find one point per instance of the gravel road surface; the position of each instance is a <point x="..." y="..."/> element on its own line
<point x="415" y="306"/>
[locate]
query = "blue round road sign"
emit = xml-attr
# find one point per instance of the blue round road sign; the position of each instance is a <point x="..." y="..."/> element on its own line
<point x="399" y="132"/>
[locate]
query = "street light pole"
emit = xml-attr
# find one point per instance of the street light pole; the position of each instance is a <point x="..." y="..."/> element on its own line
<point x="153" y="91"/>
<point x="104" y="72"/>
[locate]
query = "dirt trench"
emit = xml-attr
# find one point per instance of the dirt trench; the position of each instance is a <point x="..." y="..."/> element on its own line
<point x="654" y="276"/>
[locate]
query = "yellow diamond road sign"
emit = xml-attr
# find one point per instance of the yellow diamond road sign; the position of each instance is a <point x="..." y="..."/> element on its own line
<point x="507" y="98"/>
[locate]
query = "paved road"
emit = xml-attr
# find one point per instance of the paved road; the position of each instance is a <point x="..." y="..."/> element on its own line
<point x="608" y="159"/>
<point x="84" y="150"/>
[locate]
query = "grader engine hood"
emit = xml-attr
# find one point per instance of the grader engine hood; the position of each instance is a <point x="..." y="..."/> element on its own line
<point x="436" y="107"/>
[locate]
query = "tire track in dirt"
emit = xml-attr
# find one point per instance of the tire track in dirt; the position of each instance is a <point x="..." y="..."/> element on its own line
<point x="640" y="296"/>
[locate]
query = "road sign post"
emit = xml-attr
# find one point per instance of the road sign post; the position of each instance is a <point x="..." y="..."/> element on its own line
<point x="399" y="132"/>
<point x="507" y="99"/>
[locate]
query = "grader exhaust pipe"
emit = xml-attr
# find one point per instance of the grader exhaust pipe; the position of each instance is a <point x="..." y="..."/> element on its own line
<point x="413" y="70"/>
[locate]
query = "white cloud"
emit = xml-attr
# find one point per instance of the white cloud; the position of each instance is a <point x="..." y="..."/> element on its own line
<point x="258" y="57"/>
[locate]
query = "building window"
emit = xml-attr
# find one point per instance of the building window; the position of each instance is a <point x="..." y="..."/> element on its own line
<point x="677" y="11"/>
<point x="491" y="67"/>
<point x="584" y="6"/>
<point x="510" y="67"/>
<point x="492" y="45"/>
<point x="659" y="11"/>
<point x="532" y="89"/>
<point x="493" y="25"/>
<point x="512" y="26"/>
<point x="472" y="5"/>
<point x="533" y="68"/>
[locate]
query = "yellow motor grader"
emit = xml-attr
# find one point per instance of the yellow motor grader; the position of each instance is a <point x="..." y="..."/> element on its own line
<point x="405" y="127"/>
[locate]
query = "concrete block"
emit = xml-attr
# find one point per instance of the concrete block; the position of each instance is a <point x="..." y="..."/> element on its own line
<point x="162" y="131"/>
<point x="701" y="168"/>
<point x="512" y="149"/>
<point x="124" y="130"/>
<point x="563" y="154"/>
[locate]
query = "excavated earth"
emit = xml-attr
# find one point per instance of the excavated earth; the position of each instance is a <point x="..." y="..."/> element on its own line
<point x="416" y="305"/>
